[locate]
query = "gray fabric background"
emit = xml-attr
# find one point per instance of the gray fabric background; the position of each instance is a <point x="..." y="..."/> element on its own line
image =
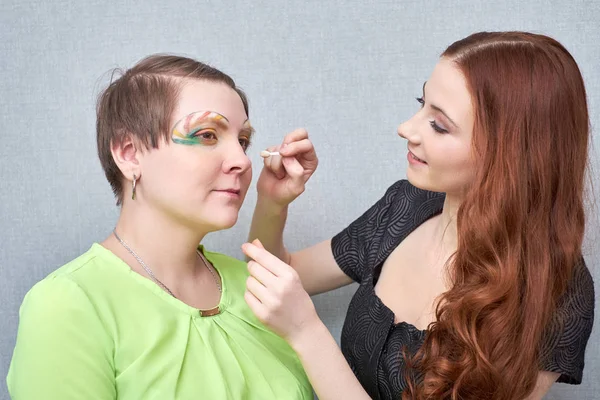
<point x="348" y="71"/>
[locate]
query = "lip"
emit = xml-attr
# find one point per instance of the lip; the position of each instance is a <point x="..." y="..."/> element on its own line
<point x="231" y="192"/>
<point x="415" y="160"/>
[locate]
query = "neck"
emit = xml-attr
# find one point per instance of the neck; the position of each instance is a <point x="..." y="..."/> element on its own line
<point x="447" y="228"/>
<point x="167" y="247"/>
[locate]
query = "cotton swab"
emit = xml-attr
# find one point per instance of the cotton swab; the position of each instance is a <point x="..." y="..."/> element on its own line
<point x="267" y="154"/>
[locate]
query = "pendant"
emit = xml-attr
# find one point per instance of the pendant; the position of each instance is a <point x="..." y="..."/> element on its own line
<point x="210" y="313"/>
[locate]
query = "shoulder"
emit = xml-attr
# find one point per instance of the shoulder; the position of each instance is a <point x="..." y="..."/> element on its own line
<point x="223" y="259"/>
<point x="62" y="343"/>
<point x="53" y="291"/>
<point x="62" y="284"/>
<point x="402" y="195"/>
<point x="373" y="235"/>
<point x="76" y="286"/>
<point x="97" y="271"/>
<point x="227" y="266"/>
<point x="402" y="206"/>
<point x="405" y="204"/>
<point x="56" y="304"/>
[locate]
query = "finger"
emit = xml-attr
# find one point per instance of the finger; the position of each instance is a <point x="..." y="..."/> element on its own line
<point x="277" y="167"/>
<point x="296" y="173"/>
<point x="267" y="160"/>
<point x="258" y="243"/>
<point x="258" y="290"/>
<point x="270" y="149"/>
<point x="255" y="305"/>
<point x="296" y="135"/>
<point x="273" y="164"/>
<point x="266" y="259"/>
<point x="262" y="274"/>
<point x="303" y="147"/>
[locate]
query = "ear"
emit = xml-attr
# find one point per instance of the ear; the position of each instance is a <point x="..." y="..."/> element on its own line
<point x="127" y="155"/>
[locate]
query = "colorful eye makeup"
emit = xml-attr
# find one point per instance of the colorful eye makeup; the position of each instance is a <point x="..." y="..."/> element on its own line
<point x="203" y="127"/>
<point x="198" y="128"/>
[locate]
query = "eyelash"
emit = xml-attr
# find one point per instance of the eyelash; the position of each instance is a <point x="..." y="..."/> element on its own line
<point x="204" y="135"/>
<point x="244" y="141"/>
<point x="432" y="123"/>
<point x="436" y="127"/>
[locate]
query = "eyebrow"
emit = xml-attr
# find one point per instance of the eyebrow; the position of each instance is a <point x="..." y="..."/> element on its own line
<point x="207" y="117"/>
<point x="436" y="108"/>
<point x="248" y="130"/>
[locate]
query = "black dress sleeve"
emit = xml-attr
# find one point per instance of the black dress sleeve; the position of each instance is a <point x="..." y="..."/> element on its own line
<point x="563" y="347"/>
<point x="350" y="247"/>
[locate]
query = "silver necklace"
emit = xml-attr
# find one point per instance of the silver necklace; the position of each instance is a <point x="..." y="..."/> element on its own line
<point x="154" y="278"/>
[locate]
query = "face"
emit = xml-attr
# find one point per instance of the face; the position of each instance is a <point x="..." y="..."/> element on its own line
<point x="200" y="176"/>
<point x="439" y="134"/>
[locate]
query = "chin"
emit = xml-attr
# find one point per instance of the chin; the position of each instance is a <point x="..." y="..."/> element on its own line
<point x="420" y="181"/>
<point x="423" y="182"/>
<point x="222" y="222"/>
<point x="448" y="186"/>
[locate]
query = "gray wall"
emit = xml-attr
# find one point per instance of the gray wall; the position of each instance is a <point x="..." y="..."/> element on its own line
<point x="323" y="65"/>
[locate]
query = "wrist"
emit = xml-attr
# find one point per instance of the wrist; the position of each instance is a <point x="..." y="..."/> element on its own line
<point x="270" y="208"/>
<point x="310" y="338"/>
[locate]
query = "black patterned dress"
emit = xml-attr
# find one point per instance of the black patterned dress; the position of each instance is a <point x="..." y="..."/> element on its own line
<point x="372" y="343"/>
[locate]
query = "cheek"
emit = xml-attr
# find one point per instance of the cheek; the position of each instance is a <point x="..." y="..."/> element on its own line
<point x="460" y="168"/>
<point x="246" y="179"/>
<point x="460" y="162"/>
<point x="157" y="168"/>
<point x="454" y="162"/>
<point x="173" y="172"/>
<point x="451" y="155"/>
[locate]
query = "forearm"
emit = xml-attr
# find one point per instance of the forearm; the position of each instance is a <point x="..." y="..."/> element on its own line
<point x="268" y="223"/>
<point x="543" y="384"/>
<point x="326" y="367"/>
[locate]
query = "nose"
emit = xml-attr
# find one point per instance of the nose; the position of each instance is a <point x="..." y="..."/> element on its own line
<point x="408" y="130"/>
<point x="236" y="161"/>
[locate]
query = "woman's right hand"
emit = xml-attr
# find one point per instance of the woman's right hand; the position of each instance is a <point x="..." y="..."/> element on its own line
<point x="283" y="177"/>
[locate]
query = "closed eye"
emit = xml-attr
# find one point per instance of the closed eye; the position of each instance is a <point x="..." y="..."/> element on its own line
<point x="436" y="127"/>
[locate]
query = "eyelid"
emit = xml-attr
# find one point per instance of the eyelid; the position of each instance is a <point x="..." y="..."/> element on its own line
<point x="443" y="118"/>
<point x="437" y="127"/>
<point x="200" y="130"/>
<point x="248" y="142"/>
<point x="421" y="100"/>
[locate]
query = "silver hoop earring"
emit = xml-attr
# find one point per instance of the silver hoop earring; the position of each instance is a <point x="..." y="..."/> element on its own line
<point x="133" y="187"/>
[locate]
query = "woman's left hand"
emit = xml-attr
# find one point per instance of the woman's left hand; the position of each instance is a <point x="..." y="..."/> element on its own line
<point x="276" y="296"/>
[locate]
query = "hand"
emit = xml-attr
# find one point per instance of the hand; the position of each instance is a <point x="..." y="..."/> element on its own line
<point x="283" y="177"/>
<point x="276" y="296"/>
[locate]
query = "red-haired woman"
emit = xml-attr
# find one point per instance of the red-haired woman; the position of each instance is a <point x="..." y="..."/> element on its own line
<point x="472" y="281"/>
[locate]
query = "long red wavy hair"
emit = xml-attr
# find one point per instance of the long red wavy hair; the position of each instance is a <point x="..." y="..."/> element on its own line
<point x="521" y="224"/>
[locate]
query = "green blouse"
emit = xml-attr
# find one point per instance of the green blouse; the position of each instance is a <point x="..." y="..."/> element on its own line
<point x="95" y="329"/>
